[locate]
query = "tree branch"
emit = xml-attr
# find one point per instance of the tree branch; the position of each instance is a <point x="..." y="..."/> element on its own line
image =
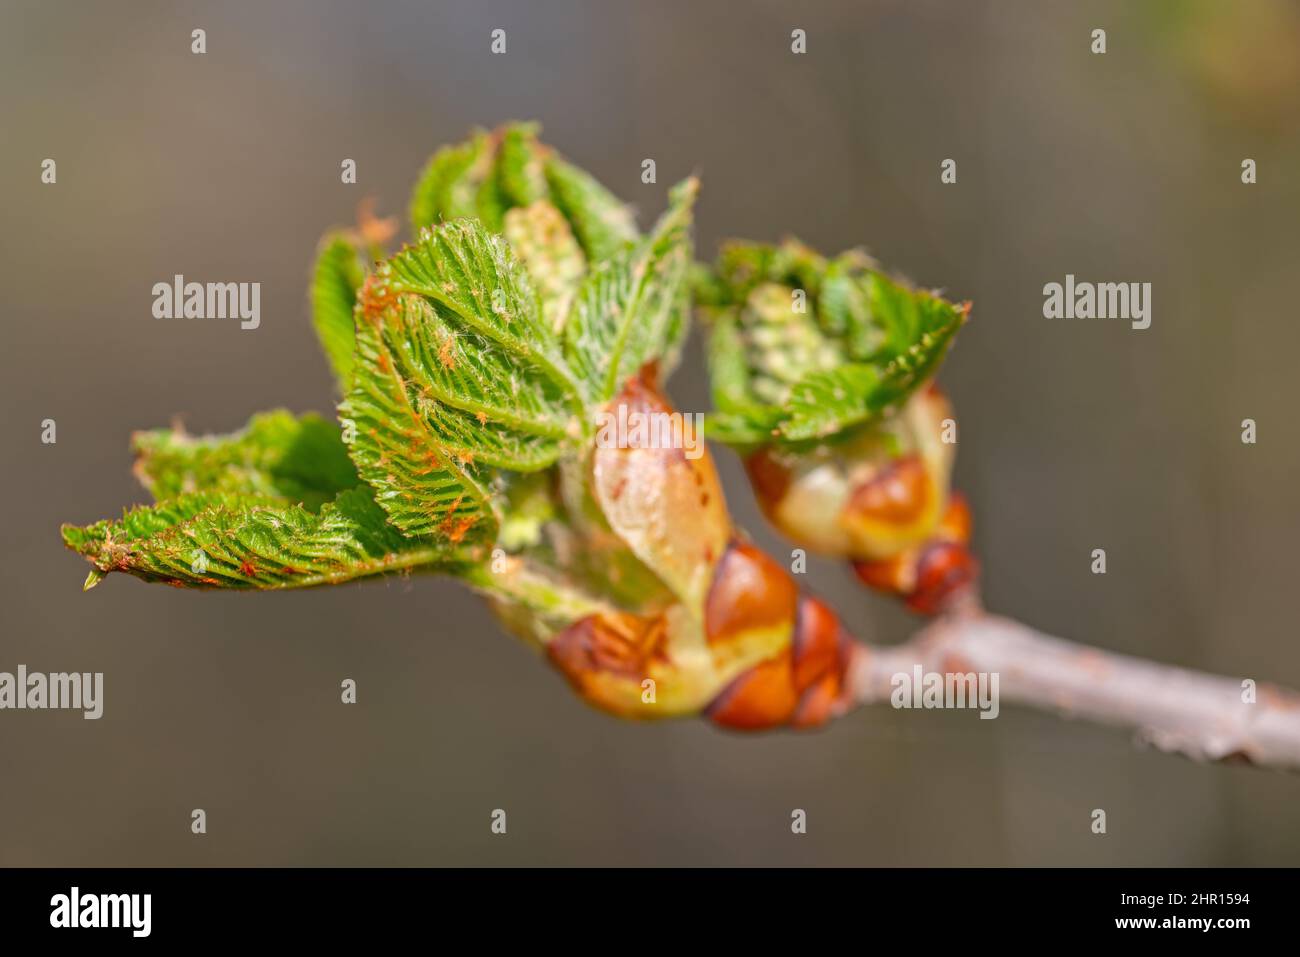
<point x="1176" y="710"/>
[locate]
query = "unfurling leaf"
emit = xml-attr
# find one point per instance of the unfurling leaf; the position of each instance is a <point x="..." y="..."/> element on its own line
<point x="337" y="276"/>
<point x="519" y="168"/>
<point x="507" y="168"/>
<point x="823" y="403"/>
<point x="220" y="540"/>
<point x="634" y="308"/>
<point x="557" y="218"/>
<point x="277" y="454"/>
<point x="457" y="375"/>
<point x="803" y="349"/>
<point x="628" y="299"/>
<point x="598" y="218"/>
<point x="540" y="237"/>
<point x="448" y="187"/>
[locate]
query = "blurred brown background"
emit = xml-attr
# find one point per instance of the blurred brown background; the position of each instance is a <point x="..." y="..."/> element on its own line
<point x="1121" y="167"/>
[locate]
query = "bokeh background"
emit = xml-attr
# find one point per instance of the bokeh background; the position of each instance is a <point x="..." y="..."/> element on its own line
<point x="1074" y="435"/>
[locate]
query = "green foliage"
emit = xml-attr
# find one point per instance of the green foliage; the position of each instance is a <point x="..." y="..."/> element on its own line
<point x="803" y="349"/>
<point x="634" y="308"/>
<point x="541" y="238"/>
<point x="495" y="172"/>
<point x="224" y="540"/>
<point x="457" y="374"/>
<point x="275" y="505"/>
<point x="579" y="244"/>
<point x="601" y="222"/>
<point x="337" y="276"/>
<point x="276" y="455"/>
<point x="520" y="179"/>
<point x="822" y="403"/>
<point x="448" y="187"/>
<point x="470" y="365"/>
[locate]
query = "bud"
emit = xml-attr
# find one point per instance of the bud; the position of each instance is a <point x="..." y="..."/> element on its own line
<point x="735" y="639"/>
<point x="509" y="168"/>
<point x="866" y="498"/>
<point x="833" y="407"/>
<point x="929" y="574"/>
<point x="766" y="656"/>
<point x="557" y="219"/>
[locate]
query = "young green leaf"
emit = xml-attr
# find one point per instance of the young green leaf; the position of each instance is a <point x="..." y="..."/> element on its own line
<point x="937" y="322"/>
<point x="824" y="403"/>
<point x="633" y="308"/>
<point x="600" y="221"/>
<point x="508" y="168"/>
<point x="277" y="454"/>
<point x="219" y="540"/>
<point x="336" y="278"/>
<point x="457" y="375"/>
<point x="729" y="371"/>
<point x="541" y="239"/>
<point x="499" y="179"/>
<point x="420" y="484"/>
<point x="448" y="186"/>
<point x="519" y="171"/>
<point x="803" y="349"/>
<point x="743" y="427"/>
<point x="473" y="278"/>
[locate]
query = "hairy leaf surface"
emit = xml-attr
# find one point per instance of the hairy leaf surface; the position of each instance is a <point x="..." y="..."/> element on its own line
<point x="802" y="348"/>
<point x="541" y="238"/>
<point x="457" y="375"/>
<point x="219" y="540"/>
<point x="338" y="275"/>
<point x="449" y="184"/>
<point x="599" y="219"/>
<point x="633" y="308"/>
<point x="495" y="172"/>
<point x="301" y="459"/>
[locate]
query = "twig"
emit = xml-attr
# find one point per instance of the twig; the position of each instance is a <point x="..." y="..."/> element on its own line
<point x="1198" y="715"/>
